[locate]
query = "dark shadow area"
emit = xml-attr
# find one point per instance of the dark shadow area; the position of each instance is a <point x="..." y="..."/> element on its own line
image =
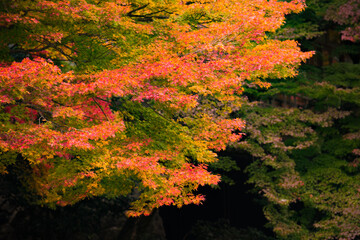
<point x="233" y="206"/>
<point x="228" y="210"/>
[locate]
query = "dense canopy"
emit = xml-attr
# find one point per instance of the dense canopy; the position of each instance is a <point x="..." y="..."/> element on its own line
<point x="131" y="98"/>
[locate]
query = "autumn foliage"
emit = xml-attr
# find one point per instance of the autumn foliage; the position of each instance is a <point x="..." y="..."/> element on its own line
<point x="131" y="98"/>
<point x="347" y="15"/>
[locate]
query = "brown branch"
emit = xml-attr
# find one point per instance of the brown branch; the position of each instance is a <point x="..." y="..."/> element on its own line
<point x="137" y="9"/>
<point x="102" y="110"/>
<point x="154" y="110"/>
<point x="43" y="113"/>
<point x="20" y="50"/>
<point x="105" y="100"/>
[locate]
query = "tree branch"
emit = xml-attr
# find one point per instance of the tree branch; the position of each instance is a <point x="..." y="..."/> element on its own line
<point x="102" y="110"/>
<point x="137" y="9"/>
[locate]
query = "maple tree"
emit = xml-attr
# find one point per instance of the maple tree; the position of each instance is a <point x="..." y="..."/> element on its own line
<point x="346" y="14"/>
<point x="131" y="98"/>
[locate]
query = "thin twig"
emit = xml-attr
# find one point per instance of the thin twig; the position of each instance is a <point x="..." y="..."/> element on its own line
<point x="102" y="110"/>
